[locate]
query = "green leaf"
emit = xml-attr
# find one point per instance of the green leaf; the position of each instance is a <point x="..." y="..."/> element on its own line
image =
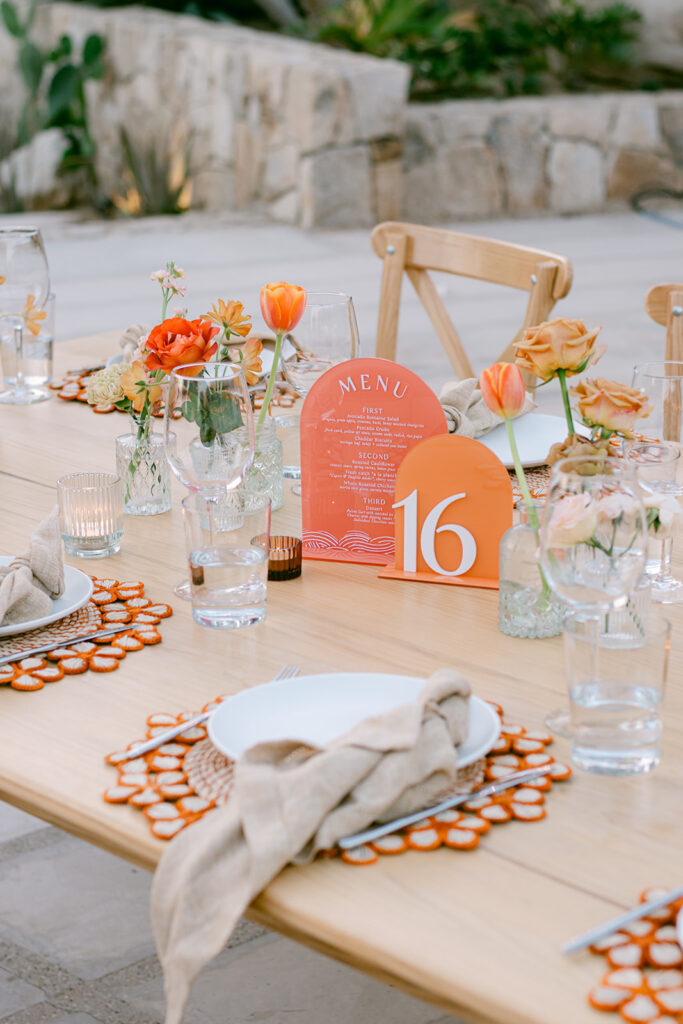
<point x="11" y="20"/>
<point x="63" y="90"/>
<point x="93" y="48"/>
<point x="31" y="64"/>
<point x="62" y="50"/>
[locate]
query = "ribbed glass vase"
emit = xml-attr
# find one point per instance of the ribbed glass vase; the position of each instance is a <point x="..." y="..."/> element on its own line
<point x="526" y="605"/>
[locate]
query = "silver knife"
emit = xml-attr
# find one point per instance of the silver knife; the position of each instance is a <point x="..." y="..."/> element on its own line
<point x="490" y="789"/>
<point x="642" y="910"/>
<point x="164" y="737"/>
<point x="46" y="648"/>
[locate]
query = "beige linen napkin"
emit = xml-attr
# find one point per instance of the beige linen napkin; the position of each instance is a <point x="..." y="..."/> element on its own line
<point x="466" y="411"/>
<point x="288" y="802"/>
<point x="29" y="584"/>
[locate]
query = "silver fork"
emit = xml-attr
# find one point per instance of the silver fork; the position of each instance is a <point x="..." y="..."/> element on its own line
<point x="288" y="672"/>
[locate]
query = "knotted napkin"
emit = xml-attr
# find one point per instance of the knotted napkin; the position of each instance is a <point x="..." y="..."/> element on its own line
<point x="288" y="802"/>
<point x="29" y="584"/>
<point x="466" y="411"/>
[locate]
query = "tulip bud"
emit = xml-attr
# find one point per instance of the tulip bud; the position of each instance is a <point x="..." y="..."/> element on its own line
<point x="282" y="305"/>
<point x="502" y="389"/>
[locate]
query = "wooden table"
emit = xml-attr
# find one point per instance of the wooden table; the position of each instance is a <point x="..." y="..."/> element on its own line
<point x="477" y="934"/>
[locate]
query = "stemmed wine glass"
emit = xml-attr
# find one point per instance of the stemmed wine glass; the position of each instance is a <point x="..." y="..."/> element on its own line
<point x="327" y="334"/>
<point x="208" y="434"/>
<point x="24" y="288"/>
<point x="593" y="544"/>
<point x="658" y="466"/>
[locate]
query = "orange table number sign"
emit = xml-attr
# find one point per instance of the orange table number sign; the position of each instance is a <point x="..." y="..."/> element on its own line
<point x="357" y="423"/>
<point x="452" y="505"/>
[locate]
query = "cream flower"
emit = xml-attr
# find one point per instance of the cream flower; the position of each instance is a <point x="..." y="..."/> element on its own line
<point x="663" y="511"/>
<point x="104" y="387"/>
<point x="573" y="521"/>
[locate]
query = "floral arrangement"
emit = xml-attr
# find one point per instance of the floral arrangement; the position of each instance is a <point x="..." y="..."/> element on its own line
<point x="564" y="348"/>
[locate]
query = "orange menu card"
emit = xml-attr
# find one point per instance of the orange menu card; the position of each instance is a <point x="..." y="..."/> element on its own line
<point x="357" y="423"/>
<point x="453" y="504"/>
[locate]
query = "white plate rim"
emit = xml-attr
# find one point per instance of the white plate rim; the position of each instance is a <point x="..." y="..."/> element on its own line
<point x="467" y="753"/>
<point x="72" y="577"/>
<point x="533" y="463"/>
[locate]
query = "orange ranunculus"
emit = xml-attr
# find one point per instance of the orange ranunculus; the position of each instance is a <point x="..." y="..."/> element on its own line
<point x="231" y="316"/>
<point x="282" y="305"/>
<point x="502" y="388"/>
<point x="560" y="344"/>
<point x="609" y="404"/>
<point x="249" y="358"/>
<point x="136" y="385"/>
<point x="177" y="342"/>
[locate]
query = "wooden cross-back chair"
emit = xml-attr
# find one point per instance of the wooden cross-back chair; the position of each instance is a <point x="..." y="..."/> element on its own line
<point x="664" y="304"/>
<point x="416" y="250"/>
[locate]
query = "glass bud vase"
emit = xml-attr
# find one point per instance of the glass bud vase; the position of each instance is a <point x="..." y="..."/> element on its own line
<point x="145" y="474"/>
<point x="265" y="475"/>
<point x="526" y="605"/>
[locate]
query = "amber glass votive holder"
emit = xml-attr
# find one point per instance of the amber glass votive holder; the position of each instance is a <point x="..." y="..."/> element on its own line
<point x="284" y="558"/>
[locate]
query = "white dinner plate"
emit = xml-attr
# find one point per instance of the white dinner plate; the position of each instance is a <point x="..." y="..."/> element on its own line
<point x="318" y="709"/>
<point x="77" y="590"/>
<point x="535" y="432"/>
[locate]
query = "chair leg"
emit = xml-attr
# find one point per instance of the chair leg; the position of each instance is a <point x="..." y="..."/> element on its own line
<point x="390" y="296"/>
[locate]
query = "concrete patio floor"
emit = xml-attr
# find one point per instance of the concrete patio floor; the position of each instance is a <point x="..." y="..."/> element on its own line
<point x="75" y="940"/>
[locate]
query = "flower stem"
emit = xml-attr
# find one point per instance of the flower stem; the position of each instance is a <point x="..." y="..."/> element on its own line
<point x="165" y="299"/>
<point x="521" y="478"/>
<point x="271" y="383"/>
<point x="561" y="376"/>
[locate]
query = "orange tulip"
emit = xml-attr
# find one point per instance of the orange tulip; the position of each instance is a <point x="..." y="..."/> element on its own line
<point x="282" y="305"/>
<point x="502" y="388"/>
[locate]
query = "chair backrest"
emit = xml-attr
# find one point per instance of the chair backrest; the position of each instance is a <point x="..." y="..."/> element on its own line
<point x="664" y="304"/>
<point x="417" y="250"/>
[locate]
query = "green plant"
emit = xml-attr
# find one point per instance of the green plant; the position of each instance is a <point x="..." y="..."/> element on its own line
<point x="54" y="82"/>
<point x="158" y="177"/>
<point x="491" y="47"/>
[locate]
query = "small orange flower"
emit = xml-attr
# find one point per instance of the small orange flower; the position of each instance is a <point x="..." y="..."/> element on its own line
<point x="33" y="316"/>
<point x="230" y="315"/>
<point x="2" y="279"/>
<point x="502" y="389"/>
<point x="136" y="385"/>
<point x="282" y="305"/>
<point x="249" y="358"/>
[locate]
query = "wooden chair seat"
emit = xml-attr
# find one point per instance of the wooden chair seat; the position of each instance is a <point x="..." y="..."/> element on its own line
<point x="416" y="250"/>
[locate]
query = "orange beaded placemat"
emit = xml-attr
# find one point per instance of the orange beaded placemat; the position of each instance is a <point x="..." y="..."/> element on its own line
<point x="182" y="780"/>
<point x="645" y="983"/>
<point x="113" y="602"/>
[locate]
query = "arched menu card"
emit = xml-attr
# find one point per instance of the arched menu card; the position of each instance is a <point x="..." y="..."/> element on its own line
<point x="357" y="423"/>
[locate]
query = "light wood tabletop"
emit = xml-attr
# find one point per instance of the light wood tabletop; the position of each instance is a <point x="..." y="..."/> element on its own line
<point x="478" y="933"/>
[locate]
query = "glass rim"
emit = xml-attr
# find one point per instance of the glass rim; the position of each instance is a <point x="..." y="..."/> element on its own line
<point x="677" y="451"/>
<point x="189" y="499"/>
<point x="20" y="229"/>
<point x="107" y="480"/>
<point x="657" y="370"/>
<point x="336" y="298"/>
<point x="656" y="624"/>
<point x="616" y="467"/>
<point x="235" y="369"/>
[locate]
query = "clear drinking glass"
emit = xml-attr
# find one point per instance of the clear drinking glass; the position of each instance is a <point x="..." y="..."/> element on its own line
<point x="90" y="514"/>
<point x="227" y="552"/>
<point x="24" y="289"/>
<point x="658" y="466"/>
<point x="327" y="334"/>
<point x="593" y="542"/>
<point x="615" y="698"/>
<point x="208" y="431"/>
<point x="37" y="350"/>
<point x="663" y="385"/>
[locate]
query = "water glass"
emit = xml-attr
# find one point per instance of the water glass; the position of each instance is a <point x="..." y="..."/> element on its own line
<point x="25" y="289"/>
<point x="90" y="514"/>
<point x="36" y="357"/>
<point x="615" y="698"/>
<point x="227" y="551"/>
<point x="663" y="385"/>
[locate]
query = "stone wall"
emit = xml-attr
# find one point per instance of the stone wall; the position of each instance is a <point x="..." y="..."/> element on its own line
<point x="558" y="154"/>
<point x="302" y="133"/>
<point x="319" y="137"/>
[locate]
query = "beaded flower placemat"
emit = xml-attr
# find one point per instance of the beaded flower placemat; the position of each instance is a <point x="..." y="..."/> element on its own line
<point x="181" y="781"/>
<point x="113" y="602"/>
<point x="645" y="983"/>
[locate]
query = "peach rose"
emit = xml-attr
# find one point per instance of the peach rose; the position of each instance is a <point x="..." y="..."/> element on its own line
<point x="560" y="344"/>
<point x="178" y="342"/>
<point x="573" y="521"/>
<point x="611" y="405"/>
